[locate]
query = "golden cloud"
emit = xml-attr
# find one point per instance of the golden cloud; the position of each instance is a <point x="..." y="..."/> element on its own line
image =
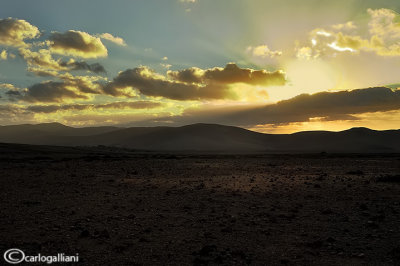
<point x="69" y="88"/>
<point x="383" y="37"/>
<point x="189" y="75"/>
<point x="42" y="63"/>
<point x="231" y="73"/>
<point x="7" y="86"/>
<point x="383" y="23"/>
<point x="262" y="51"/>
<point x="111" y="38"/>
<point x="13" y="32"/>
<point x="350" y="25"/>
<point x="41" y="58"/>
<point x="150" y="83"/>
<point x="77" y="44"/>
<point x="192" y="83"/>
<point x="327" y="106"/>
<point x="51" y="91"/>
<point x="13" y="114"/>
<point x="3" y="55"/>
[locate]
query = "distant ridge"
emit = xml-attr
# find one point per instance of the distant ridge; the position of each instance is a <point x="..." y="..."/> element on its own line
<point x="204" y="137"/>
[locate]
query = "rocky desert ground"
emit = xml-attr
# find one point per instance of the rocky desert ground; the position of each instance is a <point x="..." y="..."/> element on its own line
<point x="127" y="208"/>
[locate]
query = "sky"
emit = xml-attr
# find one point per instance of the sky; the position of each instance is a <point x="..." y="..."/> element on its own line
<point x="269" y="66"/>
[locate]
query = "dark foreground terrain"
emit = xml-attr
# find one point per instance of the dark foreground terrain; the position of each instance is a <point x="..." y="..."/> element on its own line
<point x="116" y="207"/>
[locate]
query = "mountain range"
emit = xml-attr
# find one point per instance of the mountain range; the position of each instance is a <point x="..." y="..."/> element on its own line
<point x="204" y="138"/>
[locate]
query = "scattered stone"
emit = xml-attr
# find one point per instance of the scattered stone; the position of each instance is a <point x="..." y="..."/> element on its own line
<point x="355" y="172"/>
<point x="285" y="261"/>
<point x="85" y="233"/>
<point x="330" y="240"/>
<point x="389" y="179"/>
<point x="315" y="244"/>
<point x="207" y="250"/>
<point x="372" y="224"/>
<point x="327" y="211"/>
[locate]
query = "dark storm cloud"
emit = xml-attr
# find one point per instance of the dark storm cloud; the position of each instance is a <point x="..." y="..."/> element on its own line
<point x="335" y="104"/>
<point x="192" y="83"/>
<point x="149" y="83"/>
<point x="331" y="106"/>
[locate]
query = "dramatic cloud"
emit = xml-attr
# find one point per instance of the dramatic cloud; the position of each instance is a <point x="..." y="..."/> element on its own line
<point x="41" y="58"/>
<point x="42" y="63"/>
<point x="80" y="107"/>
<point x="71" y="87"/>
<point x="82" y="65"/>
<point x="262" y="51"/>
<point x="192" y="83"/>
<point x="330" y="105"/>
<point x="149" y="83"/>
<point x="233" y="74"/>
<point x="13" y="114"/>
<point x="13" y="32"/>
<point x="78" y="44"/>
<point x="189" y="75"/>
<point x="12" y="92"/>
<point x="84" y="84"/>
<point x="230" y="74"/>
<point x="51" y="91"/>
<point x="384" y="23"/>
<point x="111" y="38"/>
<point x="43" y="72"/>
<point x="343" y="105"/>
<point x="382" y="37"/>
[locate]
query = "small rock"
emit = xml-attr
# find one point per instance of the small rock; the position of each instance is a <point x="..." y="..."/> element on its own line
<point x="85" y="233"/>
<point x="327" y="211"/>
<point x="207" y="250"/>
<point x="372" y="224"/>
<point x="330" y="239"/>
<point x="285" y="261"/>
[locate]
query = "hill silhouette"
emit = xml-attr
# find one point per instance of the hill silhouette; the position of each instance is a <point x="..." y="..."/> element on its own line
<point x="204" y="138"/>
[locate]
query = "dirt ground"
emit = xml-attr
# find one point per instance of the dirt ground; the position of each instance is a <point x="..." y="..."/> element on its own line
<point x="204" y="210"/>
